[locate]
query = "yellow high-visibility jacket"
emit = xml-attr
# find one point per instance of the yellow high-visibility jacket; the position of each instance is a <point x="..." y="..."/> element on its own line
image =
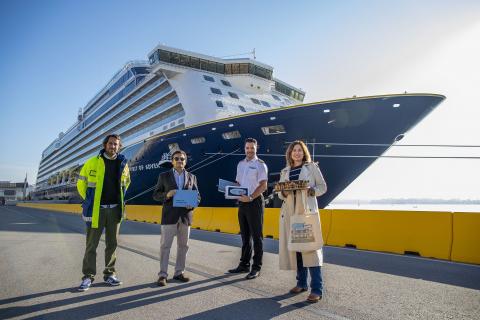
<point x="90" y="184"/>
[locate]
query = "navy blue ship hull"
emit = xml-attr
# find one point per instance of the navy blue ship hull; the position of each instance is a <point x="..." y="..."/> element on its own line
<point x="370" y="120"/>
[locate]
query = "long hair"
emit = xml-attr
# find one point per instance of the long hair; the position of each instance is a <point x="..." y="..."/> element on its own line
<point x="306" y="153"/>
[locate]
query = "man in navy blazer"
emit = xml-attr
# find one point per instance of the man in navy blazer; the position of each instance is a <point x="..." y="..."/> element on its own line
<point x="176" y="221"/>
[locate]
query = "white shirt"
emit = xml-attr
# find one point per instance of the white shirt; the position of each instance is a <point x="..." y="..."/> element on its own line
<point x="250" y="173"/>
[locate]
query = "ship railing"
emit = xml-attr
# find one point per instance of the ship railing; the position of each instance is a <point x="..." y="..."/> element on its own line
<point x="114" y="78"/>
<point x="168" y="105"/>
<point x="128" y="102"/>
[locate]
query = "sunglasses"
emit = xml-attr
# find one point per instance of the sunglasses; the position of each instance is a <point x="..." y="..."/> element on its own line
<point x="179" y="159"/>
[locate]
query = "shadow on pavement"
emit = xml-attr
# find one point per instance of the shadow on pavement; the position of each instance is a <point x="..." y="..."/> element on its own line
<point x="258" y="309"/>
<point x="102" y="308"/>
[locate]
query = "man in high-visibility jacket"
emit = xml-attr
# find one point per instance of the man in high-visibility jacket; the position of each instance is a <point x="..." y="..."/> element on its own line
<point x="102" y="184"/>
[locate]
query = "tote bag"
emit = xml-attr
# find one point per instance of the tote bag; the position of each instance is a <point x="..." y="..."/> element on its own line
<point x="305" y="230"/>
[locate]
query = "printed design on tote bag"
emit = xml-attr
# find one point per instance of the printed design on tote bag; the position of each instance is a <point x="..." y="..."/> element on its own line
<point x="302" y="232"/>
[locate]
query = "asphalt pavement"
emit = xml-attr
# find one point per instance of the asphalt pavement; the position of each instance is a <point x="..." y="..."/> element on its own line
<point x="40" y="271"/>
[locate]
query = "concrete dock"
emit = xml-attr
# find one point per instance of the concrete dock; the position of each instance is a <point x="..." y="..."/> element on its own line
<point x="40" y="271"/>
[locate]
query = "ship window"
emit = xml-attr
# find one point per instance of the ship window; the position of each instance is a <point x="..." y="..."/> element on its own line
<point x="244" y="68"/>
<point x="216" y="91"/>
<point x="276" y="97"/>
<point x="176" y="58"/>
<point x="233" y="95"/>
<point x="9" y="192"/>
<point x="242" y="108"/>
<point x="220" y="68"/>
<point x="235" y="68"/>
<point x="208" y="78"/>
<point x="226" y="83"/>
<point x="172" y="124"/>
<point x="212" y="66"/>
<point x="140" y="70"/>
<point x="219" y="103"/>
<point x="195" y="62"/>
<point x="164" y="56"/>
<point x="231" y="135"/>
<point x="278" y="129"/>
<point x="180" y="120"/>
<point x="140" y="79"/>
<point x="231" y="68"/>
<point x="203" y="64"/>
<point x="184" y="60"/>
<point x="165" y="127"/>
<point x="198" y="140"/>
<point x="265" y="103"/>
<point x="151" y="59"/>
<point x="256" y="101"/>
<point x="262" y="72"/>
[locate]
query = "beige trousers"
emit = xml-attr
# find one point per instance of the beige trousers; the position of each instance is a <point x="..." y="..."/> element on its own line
<point x="169" y="231"/>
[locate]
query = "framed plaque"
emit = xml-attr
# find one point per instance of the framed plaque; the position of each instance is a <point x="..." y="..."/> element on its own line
<point x="235" y="192"/>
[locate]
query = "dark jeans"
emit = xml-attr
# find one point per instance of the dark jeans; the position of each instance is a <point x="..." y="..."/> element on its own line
<point x="316" y="283"/>
<point x="250" y="218"/>
<point x="110" y="220"/>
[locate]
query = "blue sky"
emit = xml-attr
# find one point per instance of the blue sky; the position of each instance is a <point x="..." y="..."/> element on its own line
<point x="56" y="55"/>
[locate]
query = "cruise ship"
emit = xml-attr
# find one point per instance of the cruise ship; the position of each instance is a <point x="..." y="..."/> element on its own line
<point x="207" y="106"/>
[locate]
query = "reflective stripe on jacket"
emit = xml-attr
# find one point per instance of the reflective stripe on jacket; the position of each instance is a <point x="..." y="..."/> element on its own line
<point x="90" y="184"/>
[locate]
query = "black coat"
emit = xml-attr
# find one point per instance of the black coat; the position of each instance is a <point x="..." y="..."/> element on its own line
<point x="166" y="182"/>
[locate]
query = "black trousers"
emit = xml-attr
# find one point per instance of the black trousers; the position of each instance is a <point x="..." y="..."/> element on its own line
<point x="250" y="218"/>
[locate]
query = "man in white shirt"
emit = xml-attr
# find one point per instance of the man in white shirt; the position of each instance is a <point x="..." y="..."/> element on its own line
<point x="253" y="174"/>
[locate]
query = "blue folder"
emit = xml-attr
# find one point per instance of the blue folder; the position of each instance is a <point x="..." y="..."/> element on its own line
<point x="185" y="198"/>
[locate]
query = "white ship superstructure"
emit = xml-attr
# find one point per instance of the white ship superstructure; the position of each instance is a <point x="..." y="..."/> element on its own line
<point x="173" y="90"/>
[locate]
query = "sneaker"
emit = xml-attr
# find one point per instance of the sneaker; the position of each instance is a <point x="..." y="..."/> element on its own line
<point x="85" y="285"/>
<point x="112" y="280"/>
